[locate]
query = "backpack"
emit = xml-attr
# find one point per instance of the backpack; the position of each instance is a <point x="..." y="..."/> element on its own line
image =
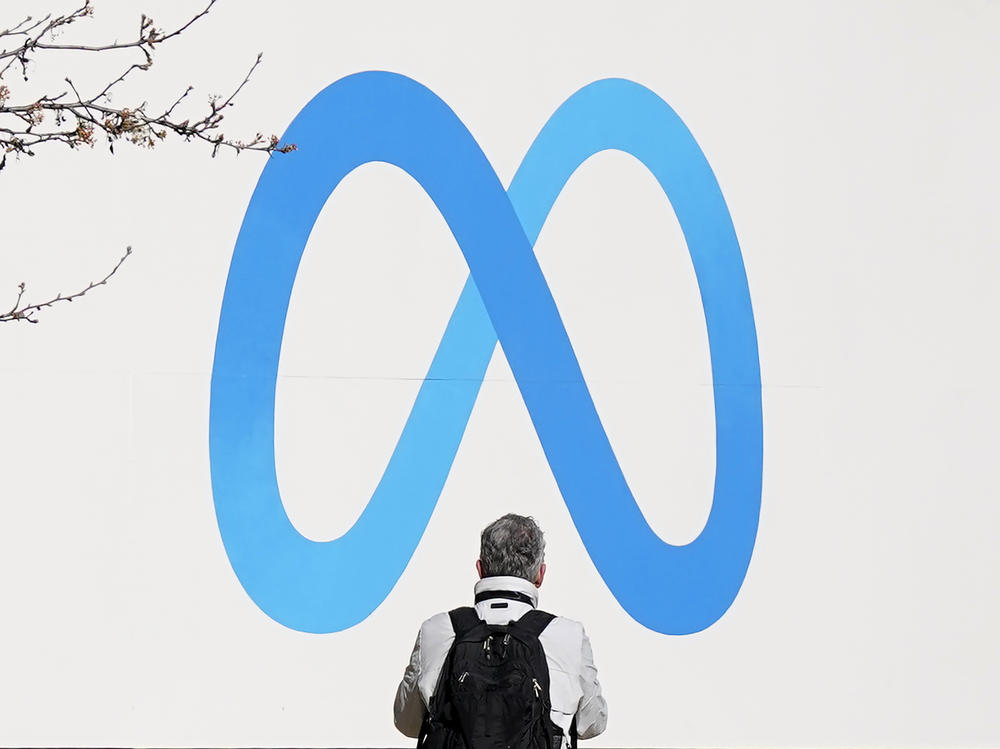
<point x="493" y="691"/>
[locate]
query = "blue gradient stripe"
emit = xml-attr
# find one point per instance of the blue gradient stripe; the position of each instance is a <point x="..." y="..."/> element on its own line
<point x="376" y="116"/>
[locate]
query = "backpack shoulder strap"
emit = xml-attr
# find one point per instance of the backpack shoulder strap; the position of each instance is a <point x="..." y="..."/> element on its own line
<point x="535" y="622"/>
<point x="463" y="620"/>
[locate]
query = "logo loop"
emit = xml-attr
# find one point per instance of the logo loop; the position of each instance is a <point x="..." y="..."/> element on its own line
<point x="329" y="586"/>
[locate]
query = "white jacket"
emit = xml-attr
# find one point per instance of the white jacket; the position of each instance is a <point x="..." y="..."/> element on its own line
<point x="573" y="686"/>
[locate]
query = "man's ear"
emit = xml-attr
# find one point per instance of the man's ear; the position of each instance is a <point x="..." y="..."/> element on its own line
<point x="541" y="576"/>
<point x="479" y="568"/>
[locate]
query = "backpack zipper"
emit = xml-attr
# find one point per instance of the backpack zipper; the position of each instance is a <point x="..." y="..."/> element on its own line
<point x="537" y="687"/>
<point x="462" y="677"/>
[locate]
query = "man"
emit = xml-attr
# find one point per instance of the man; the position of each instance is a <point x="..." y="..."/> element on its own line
<point x="511" y="569"/>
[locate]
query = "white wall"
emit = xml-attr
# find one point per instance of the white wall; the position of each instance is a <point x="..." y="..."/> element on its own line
<point x="856" y="145"/>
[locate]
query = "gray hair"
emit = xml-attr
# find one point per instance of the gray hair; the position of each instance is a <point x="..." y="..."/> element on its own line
<point x="514" y="546"/>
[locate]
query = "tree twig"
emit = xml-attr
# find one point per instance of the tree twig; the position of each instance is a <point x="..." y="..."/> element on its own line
<point x="80" y="118"/>
<point x="28" y="312"/>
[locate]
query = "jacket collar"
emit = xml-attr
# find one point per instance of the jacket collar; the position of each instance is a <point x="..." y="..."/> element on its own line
<point x="503" y="583"/>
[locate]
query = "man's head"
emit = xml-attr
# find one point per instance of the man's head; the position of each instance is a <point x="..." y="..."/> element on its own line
<point x="512" y="546"/>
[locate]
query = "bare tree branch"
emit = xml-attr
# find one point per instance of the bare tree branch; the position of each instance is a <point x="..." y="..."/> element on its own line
<point x="76" y="117"/>
<point x="80" y="118"/>
<point x="28" y="312"/>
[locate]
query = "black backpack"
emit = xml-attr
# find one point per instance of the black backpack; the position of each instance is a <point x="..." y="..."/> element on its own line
<point x="493" y="691"/>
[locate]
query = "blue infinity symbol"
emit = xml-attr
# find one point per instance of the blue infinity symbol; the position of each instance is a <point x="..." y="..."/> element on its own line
<point x="375" y="116"/>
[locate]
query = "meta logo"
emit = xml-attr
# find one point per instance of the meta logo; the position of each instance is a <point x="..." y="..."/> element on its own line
<point x="375" y="116"/>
